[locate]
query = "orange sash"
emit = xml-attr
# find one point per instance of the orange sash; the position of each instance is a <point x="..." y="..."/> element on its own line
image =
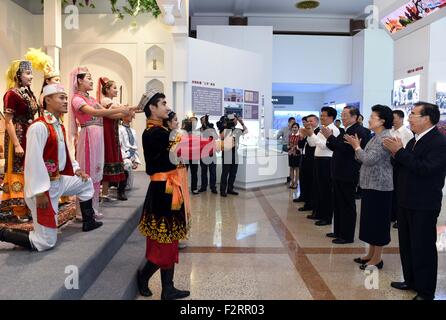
<point x="176" y="184"/>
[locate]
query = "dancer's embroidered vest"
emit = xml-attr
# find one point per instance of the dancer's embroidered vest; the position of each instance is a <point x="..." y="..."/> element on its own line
<point x="51" y="154"/>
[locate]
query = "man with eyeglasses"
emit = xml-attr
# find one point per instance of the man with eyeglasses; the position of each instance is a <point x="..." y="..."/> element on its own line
<point x="421" y="177"/>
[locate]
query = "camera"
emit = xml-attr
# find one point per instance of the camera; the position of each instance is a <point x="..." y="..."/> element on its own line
<point x="227" y="122"/>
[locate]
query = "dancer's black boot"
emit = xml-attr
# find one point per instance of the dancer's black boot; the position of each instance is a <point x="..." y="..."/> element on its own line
<point x="121" y="188"/>
<point x="88" y="221"/>
<point x="143" y="276"/>
<point x="169" y="292"/>
<point x="17" y="237"/>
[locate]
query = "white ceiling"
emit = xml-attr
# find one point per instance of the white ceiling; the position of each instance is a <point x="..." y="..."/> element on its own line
<point x="102" y="6"/>
<point x="350" y="8"/>
<point x="304" y="88"/>
<point x="345" y="8"/>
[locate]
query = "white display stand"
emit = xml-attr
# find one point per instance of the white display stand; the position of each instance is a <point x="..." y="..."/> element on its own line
<point x="261" y="168"/>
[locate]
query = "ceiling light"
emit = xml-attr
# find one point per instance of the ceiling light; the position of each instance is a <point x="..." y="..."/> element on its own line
<point x="307" y="4"/>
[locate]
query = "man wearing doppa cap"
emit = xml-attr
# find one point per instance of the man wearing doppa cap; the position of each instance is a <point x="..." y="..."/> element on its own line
<point x="49" y="174"/>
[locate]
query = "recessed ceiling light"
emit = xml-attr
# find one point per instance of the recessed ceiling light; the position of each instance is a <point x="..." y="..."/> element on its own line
<point x="307" y="4"/>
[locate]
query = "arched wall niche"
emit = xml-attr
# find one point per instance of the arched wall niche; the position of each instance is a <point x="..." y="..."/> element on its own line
<point x="154" y="59"/>
<point x="108" y="63"/>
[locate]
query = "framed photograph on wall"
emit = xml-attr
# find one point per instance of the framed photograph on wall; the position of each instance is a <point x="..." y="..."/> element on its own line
<point x="233" y="95"/>
<point x="441" y="97"/>
<point x="235" y="108"/>
<point x="251" y="97"/>
<point x="406" y="91"/>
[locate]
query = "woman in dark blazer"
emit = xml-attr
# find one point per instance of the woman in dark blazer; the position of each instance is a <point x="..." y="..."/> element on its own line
<point x="376" y="182"/>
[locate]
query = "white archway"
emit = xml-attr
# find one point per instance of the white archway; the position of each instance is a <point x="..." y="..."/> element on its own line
<point x="113" y="65"/>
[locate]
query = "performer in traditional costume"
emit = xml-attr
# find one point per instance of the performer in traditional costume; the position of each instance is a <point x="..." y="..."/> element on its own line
<point x="113" y="164"/>
<point x="49" y="174"/>
<point x="87" y="112"/>
<point x="166" y="213"/>
<point x="43" y="63"/>
<point x="20" y="109"/>
<point x="129" y="149"/>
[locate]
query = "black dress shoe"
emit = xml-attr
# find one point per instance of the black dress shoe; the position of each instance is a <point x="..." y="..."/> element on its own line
<point x="202" y="190"/>
<point x="418" y="297"/>
<point x="304" y="209"/>
<point x="322" y="223"/>
<point x="312" y="217"/>
<point x="401" y="286"/>
<point x="223" y="194"/>
<point x="331" y="235"/>
<point x="341" y="241"/>
<point x="379" y="266"/>
<point x="361" y="261"/>
<point x="214" y="191"/>
<point x="235" y="193"/>
<point x="299" y="200"/>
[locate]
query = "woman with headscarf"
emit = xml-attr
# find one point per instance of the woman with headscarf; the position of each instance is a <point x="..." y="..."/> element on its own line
<point x="86" y="112"/>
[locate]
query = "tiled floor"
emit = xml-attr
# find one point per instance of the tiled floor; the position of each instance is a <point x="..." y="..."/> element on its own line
<point x="257" y="246"/>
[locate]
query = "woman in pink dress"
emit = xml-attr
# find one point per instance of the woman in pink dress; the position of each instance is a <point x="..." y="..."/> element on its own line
<point x="85" y="112"/>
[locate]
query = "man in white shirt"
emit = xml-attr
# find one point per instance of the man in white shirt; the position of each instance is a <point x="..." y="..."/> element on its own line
<point x="400" y="131"/>
<point x="323" y="212"/>
<point x="129" y="149"/>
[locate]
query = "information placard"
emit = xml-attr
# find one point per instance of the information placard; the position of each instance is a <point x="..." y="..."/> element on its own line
<point x="207" y="101"/>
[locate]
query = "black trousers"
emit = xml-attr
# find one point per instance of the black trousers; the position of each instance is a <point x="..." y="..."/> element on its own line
<point x="417" y="234"/>
<point x="228" y="174"/>
<point x="394" y="196"/>
<point x="344" y="206"/>
<point x="212" y="167"/>
<point x="194" y="175"/>
<point x="323" y="197"/>
<point x="306" y="181"/>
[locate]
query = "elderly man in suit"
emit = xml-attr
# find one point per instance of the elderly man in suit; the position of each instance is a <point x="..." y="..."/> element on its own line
<point x="345" y="174"/>
<point x="421" y="176"/>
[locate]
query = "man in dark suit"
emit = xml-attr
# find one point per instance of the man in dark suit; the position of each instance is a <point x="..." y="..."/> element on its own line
<point x="301" y="145"/>
<point x="307" y="166"/>
<point x="421" y="176"/>
<point x="345" y="175"/>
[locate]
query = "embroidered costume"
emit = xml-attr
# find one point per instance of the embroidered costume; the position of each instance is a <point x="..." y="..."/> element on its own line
<point x="90" y="143"/>
<point x="129" y="151"/>
<point x="49" y="171"/>
<point x="20" y="103"/>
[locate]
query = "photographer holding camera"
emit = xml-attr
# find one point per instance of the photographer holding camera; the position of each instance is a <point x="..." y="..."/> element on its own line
<point x="230" y="137"/>
<point x="209" y="160"/>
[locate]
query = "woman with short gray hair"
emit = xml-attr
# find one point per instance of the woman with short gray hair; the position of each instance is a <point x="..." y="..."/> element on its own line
<point x="376" y="181"/>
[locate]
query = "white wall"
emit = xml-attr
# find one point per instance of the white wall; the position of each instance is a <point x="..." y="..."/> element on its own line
<point x="236" y="68"/>
<point x="300" y="23"/>
<point x="302" y="101"/>
<point x="18" y="32"/>
<point x="111" y="48"/>
<point x="355" y="91"/>
<point x="437" y="58"/>
<point x="312" y="59"/>
<point x="255" y="39"/>
<point x="423" y="48"/>
<point x="413" y="51"/>
<point x="378" y="70"/>
<point x="372" y="72"/>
